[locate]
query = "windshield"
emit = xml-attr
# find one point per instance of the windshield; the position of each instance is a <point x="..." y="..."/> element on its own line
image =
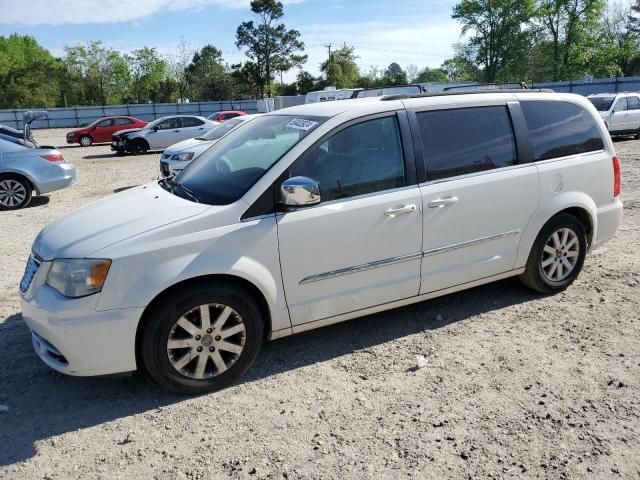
<point x="226" y="171"/>
<point x="602" y="104"/>
<point x="217" y="132"/>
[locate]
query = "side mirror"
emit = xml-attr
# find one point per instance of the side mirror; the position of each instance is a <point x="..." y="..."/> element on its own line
<point x="155" y="129"/>
<point x="299" y="192"/>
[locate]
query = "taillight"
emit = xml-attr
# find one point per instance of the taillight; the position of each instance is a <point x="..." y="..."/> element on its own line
<point x="54" y="157"/>
<point x="616" y="177"/>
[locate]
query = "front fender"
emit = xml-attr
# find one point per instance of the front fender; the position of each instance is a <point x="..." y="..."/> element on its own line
<point x="147" y="265"/>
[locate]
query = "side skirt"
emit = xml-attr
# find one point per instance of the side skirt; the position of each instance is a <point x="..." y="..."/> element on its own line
<point x="388" y="306"/>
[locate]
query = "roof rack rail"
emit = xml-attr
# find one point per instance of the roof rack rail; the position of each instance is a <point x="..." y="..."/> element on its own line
<point x="490" y="86"/>
<point x="405" y="96"/>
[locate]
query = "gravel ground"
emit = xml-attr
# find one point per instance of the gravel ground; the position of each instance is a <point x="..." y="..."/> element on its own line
<point x="515" y="384"/>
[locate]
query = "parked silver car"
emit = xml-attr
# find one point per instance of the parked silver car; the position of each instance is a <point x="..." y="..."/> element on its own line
<point x="160" y="134"/>
<point x="178" y="156"/>
<point x="26" y="167"/>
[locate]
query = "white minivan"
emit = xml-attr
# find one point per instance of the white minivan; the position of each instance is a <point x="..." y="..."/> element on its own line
<point x="317" y="214"/>
<point x="620" y="112"/>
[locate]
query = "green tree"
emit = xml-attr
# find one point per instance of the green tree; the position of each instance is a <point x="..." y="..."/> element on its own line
<point x="571" y="30"/>
<point x="341" y="70"/>
<point x="305" y="83"/>
<point x="207" y="75"/>
<point x="270" y="46"/>
<point x="619" y="28"/>
<point x="395" y="75"/>
<point x="29" y="74"/>
<point x="96" y="75"/>
<point x="432" y="75"/>
<point x="497" y="37"/>
<point x="148" y="72"/>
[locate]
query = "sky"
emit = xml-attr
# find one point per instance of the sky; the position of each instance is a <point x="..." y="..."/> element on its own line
<point x="418" y="32"/>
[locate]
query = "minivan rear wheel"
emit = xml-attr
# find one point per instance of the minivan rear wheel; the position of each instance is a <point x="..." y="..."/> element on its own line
<point x="557" y="255"/>
<point x="201" y="339"/>
<point x="15" y="192"/>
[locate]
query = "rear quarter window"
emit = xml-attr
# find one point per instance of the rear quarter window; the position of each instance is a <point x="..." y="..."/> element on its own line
<point x="559" y="129"/>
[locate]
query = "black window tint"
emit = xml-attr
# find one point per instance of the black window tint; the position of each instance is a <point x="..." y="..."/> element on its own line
<point x="363" y="158"/>
<point x="170" y="123"/>
<point x="634" y="103"/>
<point x="558" y="129"/>
<point x="191" y="122"/>
<point x="466" y="140"/>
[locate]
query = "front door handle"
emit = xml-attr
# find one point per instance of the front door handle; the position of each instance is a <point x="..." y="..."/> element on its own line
<point x="392" y="212"/>
<point x="442" y="202"/>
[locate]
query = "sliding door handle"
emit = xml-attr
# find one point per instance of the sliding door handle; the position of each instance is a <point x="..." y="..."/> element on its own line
<point x="442" y="202"/>
<point x="392" y="212"/>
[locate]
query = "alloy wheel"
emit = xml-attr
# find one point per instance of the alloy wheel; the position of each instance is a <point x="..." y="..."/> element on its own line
<point x="12" y="193"/>
<point x="206" y="341"/>
<point x="560" y="255"/>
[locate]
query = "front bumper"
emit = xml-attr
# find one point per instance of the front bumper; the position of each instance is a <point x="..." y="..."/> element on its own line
<point x="119" y="146"/>
<point x="55" y="178"/>
<point x="170" y="168"/>
<point x="70" y="336"/>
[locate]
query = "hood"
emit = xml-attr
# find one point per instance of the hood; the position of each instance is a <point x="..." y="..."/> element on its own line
<point x="191" y="145"/>
<point x="123" y="133"/>
<point x="112" y="220"/>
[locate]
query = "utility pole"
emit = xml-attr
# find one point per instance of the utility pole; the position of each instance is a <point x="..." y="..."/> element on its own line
<point x="328" y="45"/>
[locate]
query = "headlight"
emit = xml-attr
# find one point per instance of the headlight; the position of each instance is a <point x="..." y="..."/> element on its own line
<point x="183" y="157"/>
<point x="78" y="277"/>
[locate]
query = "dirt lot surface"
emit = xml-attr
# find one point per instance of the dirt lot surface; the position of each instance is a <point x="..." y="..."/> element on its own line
<point x="515" y="385"/>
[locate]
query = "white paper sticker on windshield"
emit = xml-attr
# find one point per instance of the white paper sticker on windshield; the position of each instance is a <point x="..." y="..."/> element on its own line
<point x="301" y="124"/>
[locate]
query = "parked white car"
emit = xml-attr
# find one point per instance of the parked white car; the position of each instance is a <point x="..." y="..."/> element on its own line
<point x="620" y="112"/>
<point x="317" y="214"/>
<point x="160" y="134"/>
<point x="178" y="156"/>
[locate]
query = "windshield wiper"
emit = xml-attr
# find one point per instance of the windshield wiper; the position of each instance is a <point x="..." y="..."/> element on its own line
<point x="189" y="193"/>
<point x="172" y="185"/>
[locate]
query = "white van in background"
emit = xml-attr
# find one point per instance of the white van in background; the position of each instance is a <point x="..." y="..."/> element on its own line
<point x="329" y="95"/>
<point x="620" y="112"/>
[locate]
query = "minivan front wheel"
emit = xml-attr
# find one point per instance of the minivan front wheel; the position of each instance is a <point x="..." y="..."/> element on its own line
<point x="202" y="339"/>
<point x="557" y="255"/>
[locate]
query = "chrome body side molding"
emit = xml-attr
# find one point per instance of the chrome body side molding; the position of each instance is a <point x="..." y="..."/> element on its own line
<point x="359" y="268"/>
<point x="390" y="261"/>
<point x="469" y="243"/>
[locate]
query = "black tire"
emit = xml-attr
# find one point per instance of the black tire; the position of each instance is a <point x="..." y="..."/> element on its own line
<point x="637" y="134"/>
<point x="15" y="192"/>
<point x="86" y="141"/>
<point x="161" y="322"/>
<point x="535" y="276"/>
<point x="139" y="147"/>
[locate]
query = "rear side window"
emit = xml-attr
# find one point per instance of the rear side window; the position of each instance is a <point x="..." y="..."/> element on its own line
<point x="191" y="122"/>
<point x="558" y="129"/>
<point x="634" y="103"/>
<point x="123" y="121"/>
<point x="466" y="140"/>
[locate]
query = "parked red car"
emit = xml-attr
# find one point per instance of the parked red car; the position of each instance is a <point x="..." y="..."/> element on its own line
<point x="225" y="115"/>
<point x="101" y="130"/>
